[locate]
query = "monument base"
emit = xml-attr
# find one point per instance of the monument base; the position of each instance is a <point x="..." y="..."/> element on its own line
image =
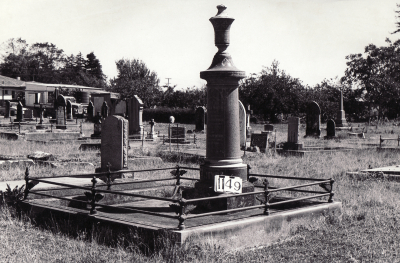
<point x="292" y="146"/>
<point x="61" y="127"/>
<point x="40" y="127"/>
<point x="113" y="175"/>
<point x="341" y="120"/>
<point x="208" y="171"/>
<point x="96" y="136"/>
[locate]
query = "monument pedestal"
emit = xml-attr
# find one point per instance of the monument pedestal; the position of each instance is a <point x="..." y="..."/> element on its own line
<point x="61" y="127"/>
<point x="341" y="119"/>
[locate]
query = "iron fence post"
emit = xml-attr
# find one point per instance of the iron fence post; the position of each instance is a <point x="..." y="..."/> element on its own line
<point x="51" y="126"/>
<point x="266" y="194"/>
<point x="178" y="175"/>
<point x="380" y="141"/>
<point x="194" y="138"/>
<point x="81" y="128"/>
<point x="19" y="127"/>
<point x="163" y="139"/>
<point x="248" y="171"/>
<point x="182" y="217"/>
<point x="331" y="193"/>
<point x="109" y="177"/>
<point x="26" y="191"/>
<point x="93" y="210"/>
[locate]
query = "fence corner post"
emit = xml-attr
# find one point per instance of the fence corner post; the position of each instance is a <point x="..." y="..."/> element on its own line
<point x="331" y="193"/>
<point x="182" y="217"/>
<point x="26" y="191"/>
<point x="266" y="194"/>
<point x="93" y="210"/>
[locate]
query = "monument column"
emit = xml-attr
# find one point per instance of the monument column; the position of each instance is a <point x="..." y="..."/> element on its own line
<point x="341" y="116"/>
<point x="223" y="134"/>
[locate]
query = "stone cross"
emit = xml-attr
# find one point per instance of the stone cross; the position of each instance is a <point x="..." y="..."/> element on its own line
<point x="114" y="143"/>
<point x="313" y="120"/>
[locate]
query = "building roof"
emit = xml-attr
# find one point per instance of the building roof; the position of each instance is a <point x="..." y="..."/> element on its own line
<point x="11" y="83"/>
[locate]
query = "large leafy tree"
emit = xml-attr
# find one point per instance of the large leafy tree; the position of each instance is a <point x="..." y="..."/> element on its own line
<point x="376" y="73"/>
<point x="272" y="92"/>
<point x="134" y="78"/>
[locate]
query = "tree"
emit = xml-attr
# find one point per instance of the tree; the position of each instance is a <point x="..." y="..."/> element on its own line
<point x="134" y="78"/>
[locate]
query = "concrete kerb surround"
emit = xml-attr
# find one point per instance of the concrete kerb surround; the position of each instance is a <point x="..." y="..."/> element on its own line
<point x="262" y="229"/>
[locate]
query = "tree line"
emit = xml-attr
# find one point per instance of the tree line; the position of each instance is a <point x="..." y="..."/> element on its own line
<point x="370" y="83"/>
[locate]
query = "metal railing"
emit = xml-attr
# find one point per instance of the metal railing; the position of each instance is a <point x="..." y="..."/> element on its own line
<point x="19" y="124"/>
<point x="94" y="195"/>
<point x="381" y="140"/>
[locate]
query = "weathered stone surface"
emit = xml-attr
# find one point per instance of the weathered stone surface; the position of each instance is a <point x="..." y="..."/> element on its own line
<point x="135" y="113"/>
<point x="313" y="120"/>
<point x="200" y="118"/>
<point x="41" y="156"/>
<point x="242" y="124"/>
<point x="114" y="143"/>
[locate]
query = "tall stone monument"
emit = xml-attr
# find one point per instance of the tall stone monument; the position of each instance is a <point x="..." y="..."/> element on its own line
<point x="313" y="120"/>
<point x="242" y="125"/>
<point x="223" y="133"/>
<point x="135" y="113"/>
<point x="341" y="115"/>
<point x="114" y="143"/>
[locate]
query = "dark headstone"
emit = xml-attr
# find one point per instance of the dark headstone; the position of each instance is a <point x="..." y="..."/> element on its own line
<point x="104" y="110"/>
<point x="135" y="113"/>
<point x="7" y="109"/>
<point x="90" y="111"/>
<point x="260" y="141"/>
<point x="293" y="134"/>
<point x="313" y="119"/>
<point x="200" y="118"/>
<point x="20" y="116"/>
<point x="177" y="134"/>
<point x="330" y="129"/>
<point x="114" y="143"/>
<point x="97" y="126"/>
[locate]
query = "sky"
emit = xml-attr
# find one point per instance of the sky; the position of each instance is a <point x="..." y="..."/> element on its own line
<point x="309" y="38"/>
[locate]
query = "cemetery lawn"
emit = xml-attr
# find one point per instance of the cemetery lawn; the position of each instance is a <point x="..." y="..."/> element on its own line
<point x="368" y="229"/>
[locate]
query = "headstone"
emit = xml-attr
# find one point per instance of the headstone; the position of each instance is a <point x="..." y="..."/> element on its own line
<point x="200" y="117"/>
<point x="69" y="110"/>
<point x="90" y="111"/>
<point x="152" y="135"/>
<point x="7" y="109"/>
<point x="104" y="110"/>
<point x="171" y="119"/>
<point x="313" y="119"/>
<point x="260" y="141"/>
<point x="20" y="116"/>
<point x="268" y="127"/>
<point x="97" y="126"/>
<point x="61" y="120"/>
<point x="135" y="113"/>
<point x="114" y="143"/>
<point x="28" y="114"/>
<point x="177" y="134"/>
<point x="330" y="129"/>
<point x="242" y="125"/>
<point x="40" y="126"/>
<point x="293" y="134"/>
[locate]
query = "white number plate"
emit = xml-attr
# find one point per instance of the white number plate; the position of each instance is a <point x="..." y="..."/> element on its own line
<point x="227" y="184"/>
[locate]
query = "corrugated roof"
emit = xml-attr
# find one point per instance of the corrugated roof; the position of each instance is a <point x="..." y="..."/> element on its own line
<point x="10" y="82"/>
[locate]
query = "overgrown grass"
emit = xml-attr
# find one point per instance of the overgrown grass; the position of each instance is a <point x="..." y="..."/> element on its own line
<point x="368" y="230"/>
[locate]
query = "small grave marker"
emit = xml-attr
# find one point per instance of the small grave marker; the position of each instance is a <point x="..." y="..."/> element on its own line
<point x="260" y="141"/>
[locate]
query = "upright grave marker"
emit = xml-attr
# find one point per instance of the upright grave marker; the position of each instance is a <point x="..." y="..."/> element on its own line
<point x="260" y="141"/>
<point x="223" y="155"/>
<point x="61" y="113"/>
<point x="104" y="110"/>
<point x="135" y="113"/>
<point x="200" y="118"/>
<point x="177" y="134"/>
<point x="242" y="125"/>
<point x="90" y="111"/>
<point x="313" y="120"/>
<point x="293" y="134"/>
<point x="7" y="109"/>
<point x="114" y="143"/>
<point x="69" y="110"/>
<point x="20" y="115"/>
<point x="330" y="129"/>
<point x="341" y="115"/>
<point x="152" y="135"/>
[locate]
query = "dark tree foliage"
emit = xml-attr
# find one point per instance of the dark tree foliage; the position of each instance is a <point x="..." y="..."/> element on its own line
<point x="187" y="98"/>
<point x="44" y="62"/>
<point x="134" y="78"/>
